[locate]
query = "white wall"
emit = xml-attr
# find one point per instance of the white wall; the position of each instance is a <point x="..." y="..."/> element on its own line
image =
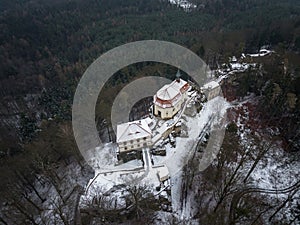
<point x="212" y="93"/>
<point x="134" y="144"/>
<point x="167" y="113"/>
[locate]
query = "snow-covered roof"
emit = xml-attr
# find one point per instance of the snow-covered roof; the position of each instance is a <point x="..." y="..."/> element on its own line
<point x="183" y="4"/>
<point x="211" y="85"/>
<point x="239" y="66"/>
<point x="162" y="172"/>
<point x="148" y="120"/>
<point x="170" y="91"/>
<point x="133" y="130"/>
<point x="233" y="59"/>
<point x="167" y="92"/>
<point x="262" y="52"/>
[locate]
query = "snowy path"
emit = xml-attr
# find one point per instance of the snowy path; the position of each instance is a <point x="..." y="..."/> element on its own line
<point x="109" y="174"/>
<point x="177" y="157"/>
<point x="147" y="160"/>
<point x="147" y="174"/>
<point x="185" y="147"/>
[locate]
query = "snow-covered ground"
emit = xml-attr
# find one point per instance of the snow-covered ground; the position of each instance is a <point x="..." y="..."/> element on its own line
<point x="262" y="52"/>
<point x="276" y="170"/>
<point x="177" y="157"/>
<point x="110" y="174"/>
<point x="186" y="5"/>
<point x="238" y="65"/>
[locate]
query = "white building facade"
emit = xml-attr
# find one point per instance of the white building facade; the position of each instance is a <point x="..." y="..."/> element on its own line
<point x="211" y="90"/>
<point x="169" y="99"/>
<point x="133" y="135"/>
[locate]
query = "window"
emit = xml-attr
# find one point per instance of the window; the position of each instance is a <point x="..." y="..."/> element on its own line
<point x="125" y="148"/>
<point x="124" y="142"/>
<point x="144" y="138"/>
<point x="138" y="140"/>
<point x="131" y="141"/>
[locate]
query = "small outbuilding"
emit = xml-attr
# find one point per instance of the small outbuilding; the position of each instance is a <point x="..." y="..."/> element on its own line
<point x="162" y="172"/>
<point x="211" y="90"/>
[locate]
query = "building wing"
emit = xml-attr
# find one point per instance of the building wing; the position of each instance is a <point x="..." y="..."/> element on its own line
<point x="133" y="130"/>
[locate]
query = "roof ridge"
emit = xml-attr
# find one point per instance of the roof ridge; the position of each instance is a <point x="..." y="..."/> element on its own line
<point x="138" y="124"/>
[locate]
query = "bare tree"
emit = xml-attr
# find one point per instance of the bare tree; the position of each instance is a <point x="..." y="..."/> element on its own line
<point x="140" y="200"/>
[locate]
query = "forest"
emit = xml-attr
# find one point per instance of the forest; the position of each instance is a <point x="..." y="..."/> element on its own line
<point x="45" y="47"/>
